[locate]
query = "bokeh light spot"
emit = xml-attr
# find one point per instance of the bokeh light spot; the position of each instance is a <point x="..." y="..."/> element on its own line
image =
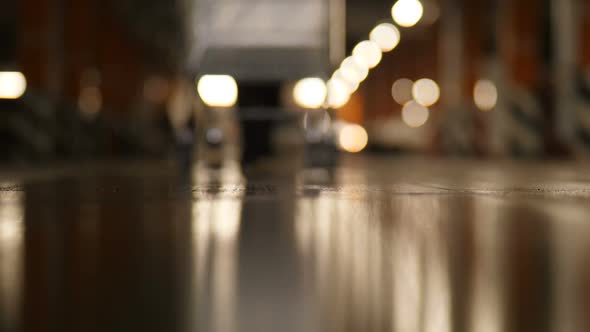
<point x="386" y="36"/>
<point x="218" y="90"/>
<point x="353" y="138"/>
<point x="402" y="91"/>
<point x="426" y="92"/>
<point x="485" y="95"/>
<point x="415" y="115"/>
<point x="407" y="13"/>
<point x="310" y="92"/>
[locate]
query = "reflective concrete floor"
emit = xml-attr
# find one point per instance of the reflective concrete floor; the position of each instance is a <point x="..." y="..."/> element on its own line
<point x="374" y="245"/>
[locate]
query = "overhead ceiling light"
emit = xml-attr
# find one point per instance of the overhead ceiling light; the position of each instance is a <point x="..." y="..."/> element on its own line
<point x="12" y="85"/>
<point x="386" y="35"/>
<point x="407" y="13"/>
<point x="218" y="90"/>
<point x="338" y="93"/>
<point x="354" y="69"/>
<point x="369" y="52"/>
<point x="310" y="92"/>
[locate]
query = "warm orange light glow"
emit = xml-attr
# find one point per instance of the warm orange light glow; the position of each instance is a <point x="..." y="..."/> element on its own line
<point x="353" y="138"/>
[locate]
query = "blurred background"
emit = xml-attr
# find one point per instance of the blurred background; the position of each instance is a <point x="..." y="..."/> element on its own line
<point x="214" y="79"/>
<point x="104" y="233"/>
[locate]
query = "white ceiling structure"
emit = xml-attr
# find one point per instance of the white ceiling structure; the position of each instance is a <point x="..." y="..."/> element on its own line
<point x="266" y="39"/>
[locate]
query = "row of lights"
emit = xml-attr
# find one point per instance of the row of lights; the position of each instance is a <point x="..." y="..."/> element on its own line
<point x="222" y="91"/>
<point x="314" y="93"/>
<point x="366" y="55"/>
<point x="417" y="97"/>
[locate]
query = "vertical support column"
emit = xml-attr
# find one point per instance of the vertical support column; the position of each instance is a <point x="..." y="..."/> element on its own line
<point x="498" y="75"/>
<point x="337" y="31"/>
<point x="565" y="37"/>
<point x="475" y="66"/>
<point x="39" y="52"/>
<point x="120" y="63"/>
<point x="577" y="88"/>
<point x="522" y="122"/>
<point x="11" y="258"/>
<point x="456" y="125"/>
<point x="80" y="36"/>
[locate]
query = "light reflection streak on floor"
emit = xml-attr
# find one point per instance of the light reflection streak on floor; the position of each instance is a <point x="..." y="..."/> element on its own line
<point x="487" y="300"/>
<point x="11" y="257"/>
<point x="216" y="226"/>
<point x="481" y="251"/>
<point x="352" y="279"/>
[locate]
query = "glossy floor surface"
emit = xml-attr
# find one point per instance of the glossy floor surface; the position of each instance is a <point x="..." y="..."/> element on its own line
<point x="373" y="245"/>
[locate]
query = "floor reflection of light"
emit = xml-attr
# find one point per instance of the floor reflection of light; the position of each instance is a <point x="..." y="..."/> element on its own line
<point x="487" y="297"/>
<point x="226" y="225"/>
<point x="303" y="227"/>
<point x="437" y="313"/>
<point x="420" y="268"/>
<point x="11" y="252"/>
<point x="359" y="222"/>
<point x="201" y="235"/>
<point x="216" y="227"/>
<point x="407" y="281"/>
<point x="322" y="218"/>
<point x="225" y="274"/>
<point x="570" y="245"/>
<point x="344" y="248"/>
